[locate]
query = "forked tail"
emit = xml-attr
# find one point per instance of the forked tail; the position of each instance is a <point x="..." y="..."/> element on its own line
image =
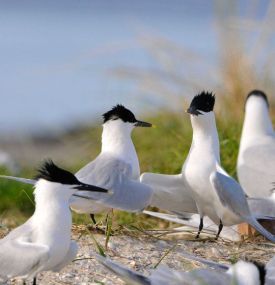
<point x="254" y="223"/>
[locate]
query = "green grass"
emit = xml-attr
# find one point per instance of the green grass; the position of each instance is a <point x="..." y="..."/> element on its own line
<point x="162" y="149"/>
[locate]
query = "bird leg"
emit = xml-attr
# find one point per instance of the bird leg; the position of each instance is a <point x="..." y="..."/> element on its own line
<point x="96" y="226"/>
<point x="220" y="229"/>
<point x="34" y="281"/>
<point x="200" y="227"/>
<point x="93" y="218"/>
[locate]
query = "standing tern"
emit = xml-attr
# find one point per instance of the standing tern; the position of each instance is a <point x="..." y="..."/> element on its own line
<point x="115" y="168"/>
<point x="241" y="273"/>
<point x="256" y="159"/>
<point x="43" y="243"/>
<point x="217" y="195"/>
<point x="203" y="186"/>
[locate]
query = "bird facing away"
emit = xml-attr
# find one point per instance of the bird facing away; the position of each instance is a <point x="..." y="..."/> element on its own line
<point x="115" y="168"/>
<point x="256" y="159"/>
<point x="203" y="186"/>
<point x="43" y="243"/>
<point x="241" y="273"/>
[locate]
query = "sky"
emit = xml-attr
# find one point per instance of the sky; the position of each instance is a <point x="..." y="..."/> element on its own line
<point x="56" y="56"/>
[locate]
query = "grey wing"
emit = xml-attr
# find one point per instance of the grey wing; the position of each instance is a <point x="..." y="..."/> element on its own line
<point x="256" y="173"/>
<point x="126" y="274"/>
<point x="206" y="276"/>
<point x="19" y="179"/>
<point x="98" y="172"/>
<point x="85" y="172"/>
<point x="270" y="272"/>
<point x="70" y="256"/>
<point x="129" y="195"/>
<point x="230" y="194"/>
<point x="115" y="175"/>
<point x="21" y="258"/>
<point x="163" y="275"/>
<point x="261" y="207"/>
<point x="169" y="192"/>
<point x="215" y="265"/>
<point x="104" y="171"/>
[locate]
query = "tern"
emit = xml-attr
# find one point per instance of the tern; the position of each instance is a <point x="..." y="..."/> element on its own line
<point x="207" y="188"/>
<point x="43" y="243"/>
<point x="256" y="159"/>
<point x="241" y="273"/>
<point x="115" y="168"/>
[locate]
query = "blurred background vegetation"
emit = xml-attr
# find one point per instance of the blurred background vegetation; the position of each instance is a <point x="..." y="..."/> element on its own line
<point x="244" y="60"/>
<point x="162" y="149"/>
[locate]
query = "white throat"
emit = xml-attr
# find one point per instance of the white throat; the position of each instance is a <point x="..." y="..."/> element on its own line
<point x="205" y="135"/>
<point x="116" y="140"/>
<point x="52" y="214"/>
<point x="49" y="192"/>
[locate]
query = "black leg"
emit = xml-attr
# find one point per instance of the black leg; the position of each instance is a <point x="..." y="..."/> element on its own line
<point x="34" y="281"/>
<point x="200" y="227"/>
<point x="220" y="229"/>
<point x="24" y="282"/>
<point x="93" y="218"/>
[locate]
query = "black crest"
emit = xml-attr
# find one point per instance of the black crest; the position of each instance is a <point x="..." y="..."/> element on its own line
<point x="50" y="172"/>
<point x="258" y="93"/>
<point x="204" y="101"/>
<point x="119" y="112"/>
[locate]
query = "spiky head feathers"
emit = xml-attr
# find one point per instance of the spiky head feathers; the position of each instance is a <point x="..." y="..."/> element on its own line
<point x="119" y="112"/>
<point x="204" y="101"/>
<point x="50" y="172"/>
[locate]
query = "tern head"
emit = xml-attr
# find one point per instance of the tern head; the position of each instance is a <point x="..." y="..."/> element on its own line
<point x="123" y="118"/>
<point x="246" y="273"/>
<point x="257" y="120"/>
<point x="202" y="115"/>
<point x="202" y="103"/>
<point x="256" y="98"/>
<point x="54" y="177"/>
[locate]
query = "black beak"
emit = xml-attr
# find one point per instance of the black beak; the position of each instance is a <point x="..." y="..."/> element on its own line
<point x="143" y="124"/>
<point x="90" y="188"/>
<point x="193" y="111"/>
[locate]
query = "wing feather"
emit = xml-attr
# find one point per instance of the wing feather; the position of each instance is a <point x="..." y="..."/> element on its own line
<point x="19" y="258"/>
<point x="115" y="175"/>
<point x="256" y="171"/>
<point x="170" y="192"/>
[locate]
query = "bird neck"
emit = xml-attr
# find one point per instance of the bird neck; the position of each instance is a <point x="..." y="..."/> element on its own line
<point x="51" y="204"/>
<point x="117" y="141"/>
<point x="205" y="135"/>
<point x="257" y="120"/>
